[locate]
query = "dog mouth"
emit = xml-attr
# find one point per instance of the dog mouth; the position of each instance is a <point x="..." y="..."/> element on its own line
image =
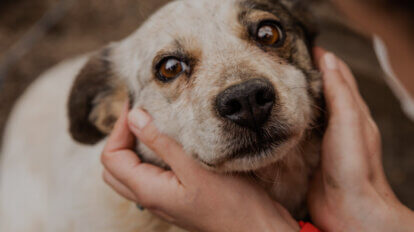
<point x="258" y="144"/>
<point x="264" y="143"/>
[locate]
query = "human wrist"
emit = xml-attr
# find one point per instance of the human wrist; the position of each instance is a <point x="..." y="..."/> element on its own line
<point x="272" y="218"/>
<point x="392" y="215"/>
<point x="272" y="224"/>
<point x="404" y="218"/>
<point x="388" y="215"/>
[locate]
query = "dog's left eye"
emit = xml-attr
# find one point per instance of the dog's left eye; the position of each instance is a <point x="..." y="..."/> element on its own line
<point x="170" y="68"/>
<point x="269" y="33"/>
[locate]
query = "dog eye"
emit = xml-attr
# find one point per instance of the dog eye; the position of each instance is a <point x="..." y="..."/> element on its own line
<point x="269" y="33"/>
<point x="170" y="68"/>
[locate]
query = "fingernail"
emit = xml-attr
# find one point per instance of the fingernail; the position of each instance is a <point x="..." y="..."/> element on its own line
<point x="330" y="61"/>
<point x="139" y="118"/>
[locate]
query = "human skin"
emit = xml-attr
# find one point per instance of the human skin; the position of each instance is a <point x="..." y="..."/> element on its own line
<point x="187" y="195"/>
<point x="349" y="191"/>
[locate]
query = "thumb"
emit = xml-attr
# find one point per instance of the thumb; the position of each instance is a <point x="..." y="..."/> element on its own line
<point x="143" y="126"/>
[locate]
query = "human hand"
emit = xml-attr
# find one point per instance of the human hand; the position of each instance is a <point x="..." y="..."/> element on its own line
<point x="350" y="192"/>
<point x="187" y="195"/>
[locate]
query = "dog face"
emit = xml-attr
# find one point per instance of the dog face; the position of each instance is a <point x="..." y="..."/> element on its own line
<point x="232" y="81"/>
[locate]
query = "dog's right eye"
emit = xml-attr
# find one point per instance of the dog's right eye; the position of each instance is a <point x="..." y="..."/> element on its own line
<point x="170" y="68"/>
<point x="269" y="33"/>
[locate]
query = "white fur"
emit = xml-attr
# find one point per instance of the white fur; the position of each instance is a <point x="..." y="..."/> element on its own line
<point x="49" y="183"/>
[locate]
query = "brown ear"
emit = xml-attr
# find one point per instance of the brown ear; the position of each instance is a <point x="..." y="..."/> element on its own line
<point x="96" y="100"/>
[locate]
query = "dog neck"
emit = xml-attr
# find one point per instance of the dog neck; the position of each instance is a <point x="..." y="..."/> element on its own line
<point x="287" y="181"/>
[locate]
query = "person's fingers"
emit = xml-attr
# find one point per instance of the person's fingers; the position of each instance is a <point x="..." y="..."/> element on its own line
<point x="359" y="135"/>
<point x="340" y="156"/>
<point x="124" y="168"/>
<point x="121" y="164"/>
<point x="124" y="171"/>
<point x="121" y="137"/>
<point x="347" y="75"/>
<point x="142" y="125"/>
<point x="146" y="181"/>
<point x="339" y="98"/>
<point x="318" y="53"/>
<point x="120" y="188"/>
<point x="350" y="79"/>
<point x="371" y="130"/>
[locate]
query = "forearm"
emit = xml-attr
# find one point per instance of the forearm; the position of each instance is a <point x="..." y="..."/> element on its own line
<point x="271" y="220"/>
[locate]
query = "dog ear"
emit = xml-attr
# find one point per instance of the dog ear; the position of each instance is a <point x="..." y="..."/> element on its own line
<point x="96" y="99"/>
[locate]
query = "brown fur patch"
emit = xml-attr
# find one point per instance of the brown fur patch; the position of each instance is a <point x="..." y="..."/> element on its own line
<point x="108" y="107"/>
<point x="96" y="100"/>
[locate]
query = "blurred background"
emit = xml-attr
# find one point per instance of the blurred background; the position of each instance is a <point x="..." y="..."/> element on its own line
<point x="37" y="34"/>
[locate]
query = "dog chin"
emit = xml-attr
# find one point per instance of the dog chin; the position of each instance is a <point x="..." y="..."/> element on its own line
<point x="256" y="161"/>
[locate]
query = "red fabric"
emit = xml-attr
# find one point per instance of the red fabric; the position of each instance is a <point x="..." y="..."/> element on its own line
<point x="308" y="227"/>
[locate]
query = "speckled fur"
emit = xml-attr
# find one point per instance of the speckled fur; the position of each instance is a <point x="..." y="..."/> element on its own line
<point x="214" y="36"/>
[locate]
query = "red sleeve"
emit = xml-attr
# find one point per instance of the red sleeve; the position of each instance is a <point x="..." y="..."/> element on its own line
<point x="308" y="227"/>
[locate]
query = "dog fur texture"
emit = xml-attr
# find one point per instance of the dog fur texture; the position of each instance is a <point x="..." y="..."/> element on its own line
<point x="51" y="179"/>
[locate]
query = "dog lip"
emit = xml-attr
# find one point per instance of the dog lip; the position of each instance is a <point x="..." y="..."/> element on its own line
<point x="211" y="165"/>
<point x="259" y="147"/>
<point x="253" y="149"/>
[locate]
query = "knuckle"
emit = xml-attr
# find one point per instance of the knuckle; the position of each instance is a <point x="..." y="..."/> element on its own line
<point x="342" y="103"/>
<point x="108" y="158"/>
<point x="350" y="117"/>
<point x="156" y="139"/>
<point x="151" y="135"/>
<point x="105" y="158"/>
<point x="140" y="171"/>
<point x="131" y="183"/>
<point x="148" y="202"/>
<point x="163" y="142"/>
<point x="134" y="178"/>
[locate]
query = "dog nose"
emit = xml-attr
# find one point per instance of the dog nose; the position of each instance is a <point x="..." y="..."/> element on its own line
<point x="247" y="104"/>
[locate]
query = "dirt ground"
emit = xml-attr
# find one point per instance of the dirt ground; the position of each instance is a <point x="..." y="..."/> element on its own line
<point x="90" y="24"/>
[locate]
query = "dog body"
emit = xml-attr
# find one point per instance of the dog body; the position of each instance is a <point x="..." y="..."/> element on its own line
<point x="57" y="186"/>
<point x="232" y="81"/>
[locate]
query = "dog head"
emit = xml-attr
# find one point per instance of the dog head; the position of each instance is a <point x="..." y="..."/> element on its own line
<point x="232" y="81"/>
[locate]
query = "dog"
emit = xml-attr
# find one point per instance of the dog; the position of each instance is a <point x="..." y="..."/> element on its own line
<point x="232" y="81"/>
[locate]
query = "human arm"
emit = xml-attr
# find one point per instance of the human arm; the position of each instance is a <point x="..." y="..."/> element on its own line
<point x="350" y="191"/>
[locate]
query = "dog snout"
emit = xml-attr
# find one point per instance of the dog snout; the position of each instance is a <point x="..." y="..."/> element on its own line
<point x="247" y="104"/>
